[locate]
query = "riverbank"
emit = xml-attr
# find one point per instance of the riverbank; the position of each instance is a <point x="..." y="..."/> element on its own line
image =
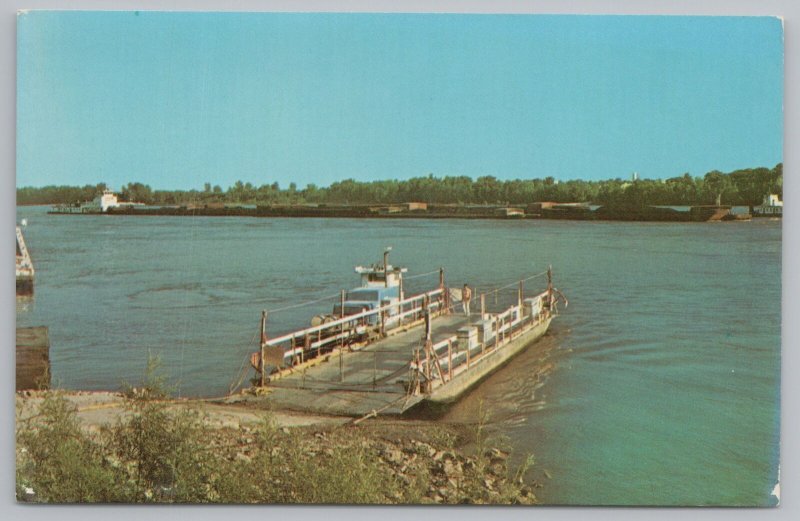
<point x="210" y="451"/>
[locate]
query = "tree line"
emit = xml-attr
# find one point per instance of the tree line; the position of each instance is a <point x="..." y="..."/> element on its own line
<point x="740" y="187"/>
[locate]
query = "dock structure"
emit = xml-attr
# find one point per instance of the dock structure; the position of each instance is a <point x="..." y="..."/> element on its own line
<point x="33" y="358"/>
<point x="24" y="267"/>
<point x="356" y="365"/>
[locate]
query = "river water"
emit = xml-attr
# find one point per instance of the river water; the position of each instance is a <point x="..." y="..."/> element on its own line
<point x="663" y="374"/>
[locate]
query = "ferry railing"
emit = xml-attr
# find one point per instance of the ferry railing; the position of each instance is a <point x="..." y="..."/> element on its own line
<point x="448" y="359"/>
<point x="355" y="325"/>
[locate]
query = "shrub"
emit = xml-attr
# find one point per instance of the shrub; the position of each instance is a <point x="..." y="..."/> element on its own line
<point x="166" y="450"/>
<point x="159" y="451"/>
<point x="59" y="462"/>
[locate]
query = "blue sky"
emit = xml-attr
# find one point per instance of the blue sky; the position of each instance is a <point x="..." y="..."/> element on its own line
<point x="175" y="100"/>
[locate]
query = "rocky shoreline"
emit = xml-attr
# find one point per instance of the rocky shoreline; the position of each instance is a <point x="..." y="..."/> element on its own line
<point x="397" y="461"/>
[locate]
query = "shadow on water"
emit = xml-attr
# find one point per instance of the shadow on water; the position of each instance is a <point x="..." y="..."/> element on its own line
<point x="506" y="397"/>
<point x="512" y="392"/>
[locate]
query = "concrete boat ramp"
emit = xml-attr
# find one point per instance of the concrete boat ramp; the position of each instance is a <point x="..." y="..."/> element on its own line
<point x="372" y="379"/>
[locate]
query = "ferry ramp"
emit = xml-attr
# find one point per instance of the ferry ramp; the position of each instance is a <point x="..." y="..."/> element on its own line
<point x="374" y="378"/>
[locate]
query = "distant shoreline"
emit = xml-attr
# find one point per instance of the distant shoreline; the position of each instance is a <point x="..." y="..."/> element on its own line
<point x="572" y="211"/>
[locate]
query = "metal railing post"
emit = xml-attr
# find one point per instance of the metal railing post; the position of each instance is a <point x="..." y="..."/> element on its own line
<point x="263" y="347"/>
<point x="449" y="360"/>
<point x="426" y="308"/>
<point x="445" y="308"/>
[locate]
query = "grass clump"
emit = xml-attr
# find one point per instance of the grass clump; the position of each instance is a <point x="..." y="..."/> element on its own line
<point x="298" y="467"/>
<point x="163" y="449"/>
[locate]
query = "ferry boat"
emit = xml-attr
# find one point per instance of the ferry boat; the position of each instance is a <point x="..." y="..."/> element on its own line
<point x="393" y="350"/>
<point x="24" y="268"/>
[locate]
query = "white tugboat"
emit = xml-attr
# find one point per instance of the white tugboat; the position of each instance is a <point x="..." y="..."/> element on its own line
<point x="772" y="206"/>
<point x="104" y="202"/>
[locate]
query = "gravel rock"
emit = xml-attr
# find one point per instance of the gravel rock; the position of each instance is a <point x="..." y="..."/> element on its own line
<point x="393" y="455"/>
